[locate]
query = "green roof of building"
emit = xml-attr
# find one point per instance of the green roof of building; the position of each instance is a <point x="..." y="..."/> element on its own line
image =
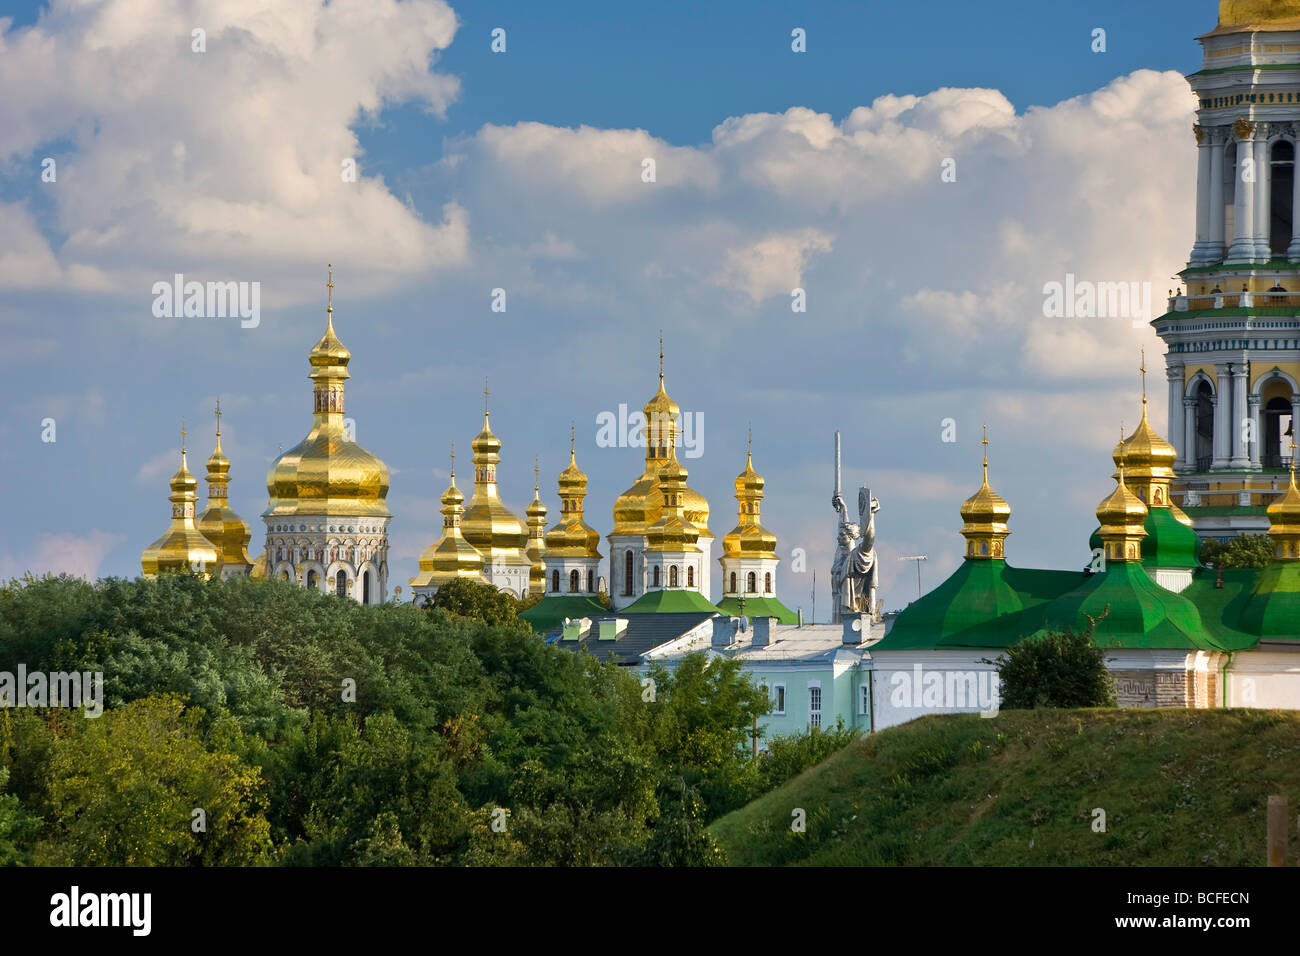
<point x="1138" y="612"/>
<point x="758" y="607"/>
<point x="550" y="611"/>
<point x="1168" y="544"/>
<point x="1271" y="609"/>
<point x="669" y="601"/>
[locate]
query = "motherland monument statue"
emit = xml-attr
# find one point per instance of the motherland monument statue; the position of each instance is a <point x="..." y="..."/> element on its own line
<point x="854" y="573"/>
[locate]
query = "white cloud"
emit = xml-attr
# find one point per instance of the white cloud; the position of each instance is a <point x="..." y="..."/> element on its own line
<point x="76" y="554"/>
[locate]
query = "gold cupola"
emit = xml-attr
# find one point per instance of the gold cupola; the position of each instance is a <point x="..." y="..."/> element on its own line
<point x="1262" y="15"/>
<point x="641" y="505"/>
<point x="1122" y="516"/>
<point x="984" y="518"/>
<point x="182" y="547"/>
<point x="749" y="538"/>
<point x="488" y="524"/>
<point x="228" y="532"/>
<point x="1284" y="520"/>
<point x="673" y="531"/>
<point x="536" y="516"/>
<point x="571" y="536"/>
<point x="1149" y="461"/>
<point x="327" y="473"/>
<point x="451" y="556"/>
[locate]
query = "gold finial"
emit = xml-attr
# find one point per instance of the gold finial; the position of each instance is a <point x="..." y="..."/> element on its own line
<point x="453" y="461"/>
<point x="749" y="441"/>
<point x="537" y="470"/>
<point x="485" y="399"/>
<point x="1121" y="453"/>
<point x="218" y="419"/>
<point x="661" y="356"/>
<point x="985" y="443"/>
<point x="182" y="441"/>
<point x="329" y="284"/>
<point x="1143" y="369"/>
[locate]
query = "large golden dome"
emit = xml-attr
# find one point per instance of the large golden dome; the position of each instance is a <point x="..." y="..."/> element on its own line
<point x="1259" y="13"/>
<point x="326" y="472"/>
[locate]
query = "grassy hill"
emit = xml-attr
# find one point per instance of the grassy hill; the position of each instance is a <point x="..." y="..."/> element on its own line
<point x="1179" y="787"/>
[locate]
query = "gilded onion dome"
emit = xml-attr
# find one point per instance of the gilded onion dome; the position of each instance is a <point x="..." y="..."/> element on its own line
<point x="1149" y="462"/>
<point x="488" y="524"/>
<point x="1122" y="516"/>
<point x="1284" y="521"/>
<point x="673" y="531"/>
<point x="327" y="472"/>
<point x="228" y="532"/>
<point x="749" y="538"/>
<point x="571" y="536"/>
<point x="536" y="514"/>
<point x="984" y="518"/>
<point x="182" y="546"/>
<point x="451" y="556"/>
<point x="636" y="509"/>
<point x="1266" y="15"/>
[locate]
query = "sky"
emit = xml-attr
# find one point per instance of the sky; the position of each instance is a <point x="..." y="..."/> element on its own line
<point x="919" y="172"/>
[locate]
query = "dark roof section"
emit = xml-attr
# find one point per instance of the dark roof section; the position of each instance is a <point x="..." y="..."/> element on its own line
<point x="644" y="632"/>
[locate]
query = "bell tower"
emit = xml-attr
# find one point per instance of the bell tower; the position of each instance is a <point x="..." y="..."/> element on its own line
<point x="1232" y="328"/>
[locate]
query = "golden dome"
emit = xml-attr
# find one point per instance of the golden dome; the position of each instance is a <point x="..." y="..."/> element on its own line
<point x="536" y="512"/>
<point x="228" y="532"/>
<point x="673" y="531"/>
<point x="1122" y="516"/>
<point x="1259" y="13"/>
<point x="451" y="556"/>
<point x="182" y="546"/>
<point x="488" y="524"/>
<point x="327" y="473"/>
<point x="1284" y="513"/>
<point x="258" y="570"/>
<point x="1148" y="461"/>
<point x="749" y="538"/>
<point x="572" y="537"/>
<point x="984" y="518"/>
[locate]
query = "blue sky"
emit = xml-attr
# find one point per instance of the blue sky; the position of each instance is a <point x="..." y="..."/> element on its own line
<point x="521" y="171"/>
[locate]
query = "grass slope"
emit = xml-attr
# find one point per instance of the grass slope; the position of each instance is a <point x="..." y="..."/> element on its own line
<point x="1179" y="787"/>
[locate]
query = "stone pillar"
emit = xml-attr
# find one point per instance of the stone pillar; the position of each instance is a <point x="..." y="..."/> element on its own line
<point x="1293" y="251"/>
<point x="1189" y="433"/>
<point x="1240" y="454"/>
<point x="1284" y="446"/>
<point x="1222" y="417"/>
<point x="1243" y="218"/>
<point x="1217" y="241"/>
<point x="1203" y="163"/>
<point x="1174" y="373"/>
<point x="1263" y="176"/>
<point x="1257" y="434"/>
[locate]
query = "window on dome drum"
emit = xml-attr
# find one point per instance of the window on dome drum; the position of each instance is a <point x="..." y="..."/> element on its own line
<point x="814" y="706"/>
<point x="733" y="582"/>
<point x="341" y="584"/>
<point x="690" y="577"/>
<point x="573" y="581"/>
<point x="767" y="583"/>
<point x="751" y="583"/>
<point x="1204" y="426"/>
<point x="555" y="581"/>
<point x="591" y="580"/>
<point x="627" y="574"/>
<point x="365" y="588"/>
<point x="1277" y="420"/>
<point x="656" y="576"/>
<point x="311" y="579"/>
<point x="1282" y="173"/>
<point x="672" y="576"/>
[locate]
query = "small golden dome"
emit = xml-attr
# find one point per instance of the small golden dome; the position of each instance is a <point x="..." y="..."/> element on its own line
<point x="1146" y="455"/>
<point x="182" y="546"/>
<point x="451" y="556"/>
<point x="1122" y="512"/>
<point x="674" y="531"/>
<point x="227" y="531"/>
<point x="571" y="536"/>
<point x="1284" y="513"/>
<point x="984" y="518"/>
<point x="489" y="525"/>
<point x="749" y="538"/>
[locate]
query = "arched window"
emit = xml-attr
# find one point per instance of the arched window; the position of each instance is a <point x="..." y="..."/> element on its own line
<point x="311" y="579"/>
<point x="1282" y="173"/>
<point x="573" y="581"/>
<point x="627" y="573"/>
<point x="1277" y="451"/>
<point x="341" y="584"/>
<point x="365" y="588"/>
<point x="555" y="581"/>
<point x="284" y="575"/>
<point x="656" y="576"/>
<point x="767" y="583"/>
<point x="672" y="575"/>
<point x="751" y="583"/>
<point x="591" y="580"/>
<point x="1204" y="426"/>
<point x="733" y="582"/>
<point x="690" y="577"/>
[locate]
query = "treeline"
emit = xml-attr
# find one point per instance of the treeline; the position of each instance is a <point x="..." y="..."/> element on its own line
<point x="253" y="722"/>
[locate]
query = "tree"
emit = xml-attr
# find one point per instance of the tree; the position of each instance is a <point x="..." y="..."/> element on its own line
<point x="465" y="597"/>
<point x="1057" y="669"/>
<point x="1243" y="551"/>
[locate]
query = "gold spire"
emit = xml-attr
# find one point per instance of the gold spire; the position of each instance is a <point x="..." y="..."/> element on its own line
<point x="327" y="472"/>
<point x="227" y="531"/>
<point x="1122" y="515"/>
<point x="451" y="556"/>
<point x="536" y="549"/>
<point x="984" y="516"/>
<point x="182" y="546"/>
<point x="571" y="536"/>
<point x="1284" y="519"/>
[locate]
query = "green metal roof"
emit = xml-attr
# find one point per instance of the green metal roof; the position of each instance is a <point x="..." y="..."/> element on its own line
<point x="1169" y="543"/>
<point x="758" y="607"/>
<point x="550" y="611"/>
<point x="669" y="601"/>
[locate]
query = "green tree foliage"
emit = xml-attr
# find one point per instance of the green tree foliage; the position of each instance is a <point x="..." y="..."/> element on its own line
<point x="1243" y="551"/>
<point x="787" y="757"/>
<point x="463" y="597"/>
<point x="1057" y="669"/>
